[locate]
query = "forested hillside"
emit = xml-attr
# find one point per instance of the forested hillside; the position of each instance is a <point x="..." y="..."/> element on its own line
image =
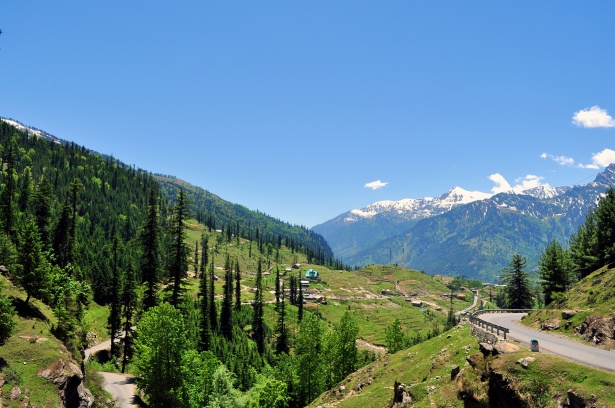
<point x="79" y="230"/>
<point x="237" y="220"/>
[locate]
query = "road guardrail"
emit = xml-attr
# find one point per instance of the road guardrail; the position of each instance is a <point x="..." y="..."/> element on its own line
<point x="491" y="326"/>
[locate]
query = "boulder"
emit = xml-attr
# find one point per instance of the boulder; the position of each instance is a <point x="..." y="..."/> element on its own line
<point x="68" y="378"/>
<point x="401" y="393"/>
<point x="504" y="348"/>
<point x="568" y="314"/>
<point x="550" y="325"/>
<point x="486" y="349"/>
<point x="597" y="328"/>
<point x="525" y="362"/>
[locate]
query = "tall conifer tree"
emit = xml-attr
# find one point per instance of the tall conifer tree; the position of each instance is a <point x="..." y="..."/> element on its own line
<point x="114" y="320"/>
<point x="213" y="313"/>
<point x="226" y="326"/>
<point x="129" y="298"/>
<point x="237" y="286"/>
<point x="281" y="344"/>
<point x="179" y="251"/>
<point x="150" y="247"/>
<point x="258" y="325"/>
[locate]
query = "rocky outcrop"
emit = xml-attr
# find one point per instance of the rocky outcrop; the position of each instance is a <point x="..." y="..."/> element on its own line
<point x="598" y="329"/>
<point x="401" y="394"/>
<point x="68" y="377"/>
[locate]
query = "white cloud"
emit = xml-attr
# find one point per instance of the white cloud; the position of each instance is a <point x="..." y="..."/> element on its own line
<point x="600" y="159"/>
<point x="375" y="185"/>
<point x="561" y="160"/>
<point x="604" y="158"/>
<point x="501" y="185"/>
<point x="594" y="117"/>
<point x="522" y="183"/>
<point x="527" y="182"/>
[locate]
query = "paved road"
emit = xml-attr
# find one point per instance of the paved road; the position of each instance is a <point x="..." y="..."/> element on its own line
<point x="570" y="349"/>
<point x="121" y="386"/>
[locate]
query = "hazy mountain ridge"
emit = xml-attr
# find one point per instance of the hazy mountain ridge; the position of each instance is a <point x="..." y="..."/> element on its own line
<point x="476" y="237"/>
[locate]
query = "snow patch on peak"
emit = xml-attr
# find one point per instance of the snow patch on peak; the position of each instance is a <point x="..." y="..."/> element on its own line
<point x="545" y="191"/>
<point x="458" y="195"/>
<point x="415" y="209"/>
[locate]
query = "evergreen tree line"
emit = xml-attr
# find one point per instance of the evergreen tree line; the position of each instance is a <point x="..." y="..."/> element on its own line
<point x="592" y="247"/>
<point x="589" y="249"/>
<point x="236" y="221"/>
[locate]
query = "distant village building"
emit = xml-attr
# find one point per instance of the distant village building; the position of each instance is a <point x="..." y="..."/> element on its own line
<point x="297" y="266"/>
<point x="305" y="283"/>
<point x="311" y="274"/>
<point x="461" y="296"/>
<point x="417" y="303"/>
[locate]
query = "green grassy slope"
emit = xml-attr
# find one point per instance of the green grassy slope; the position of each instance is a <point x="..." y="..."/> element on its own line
<point x="425" y="369"/>
<point x="28" y="351"/>
<point x="592" y="299"/>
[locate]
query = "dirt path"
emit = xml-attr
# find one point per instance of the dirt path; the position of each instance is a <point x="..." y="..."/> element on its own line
<point x="364" y="344"/>
<point x="121" y="386"/>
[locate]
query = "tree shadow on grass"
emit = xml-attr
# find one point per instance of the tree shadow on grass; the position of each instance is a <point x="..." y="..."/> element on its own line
<point x="27" y="310"/>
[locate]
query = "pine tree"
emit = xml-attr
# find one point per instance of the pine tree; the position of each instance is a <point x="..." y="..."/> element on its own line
<point x="518" y="294"/>
<point x="179" y="251"/>
<point x="114" y="320"/>
<point x="195" y="262"/>
<point x="605" y="233"/>
<point x="7" y="323"/>
<point x="213" y="313"/>
<point x="7" y="198"/>
<point x="61" y="236"/>
<point x="553" y="271"/>
<point x="150" y="247"/>
<point x="583" y="247"/>
<point x="32" y="272"/>
<point x="346" y="353"/>
<point x="42" y="201"/>
<point x="237" y="286"/>
<point x="308" y="349"/>
<point x="25" y="189"/>
<point x="71" y="249"/>
<point x="129" y="302"/>
<point x="205" y="338"/>
<point x="281" y="344"/>
<point x="204" y="253"/>
<point x="258" y="324"/>
<point x="226" y="326"/>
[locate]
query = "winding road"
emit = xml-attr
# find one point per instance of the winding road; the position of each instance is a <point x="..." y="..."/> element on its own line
<point x="121" y="386"/>
<point x="570" y="349"/>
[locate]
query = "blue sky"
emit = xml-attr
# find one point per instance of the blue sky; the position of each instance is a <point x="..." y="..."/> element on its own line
<point x="292" y="108"/>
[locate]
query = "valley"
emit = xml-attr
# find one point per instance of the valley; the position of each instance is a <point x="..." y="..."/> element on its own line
<point x="253" y="304"/>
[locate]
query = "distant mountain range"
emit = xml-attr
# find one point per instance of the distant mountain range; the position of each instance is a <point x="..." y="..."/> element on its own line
<point x="463" y="232"/>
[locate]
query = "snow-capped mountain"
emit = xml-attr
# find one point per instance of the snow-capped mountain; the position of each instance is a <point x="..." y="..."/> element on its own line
<point x="416" y="209"/>
<point x="463" y="232"/>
